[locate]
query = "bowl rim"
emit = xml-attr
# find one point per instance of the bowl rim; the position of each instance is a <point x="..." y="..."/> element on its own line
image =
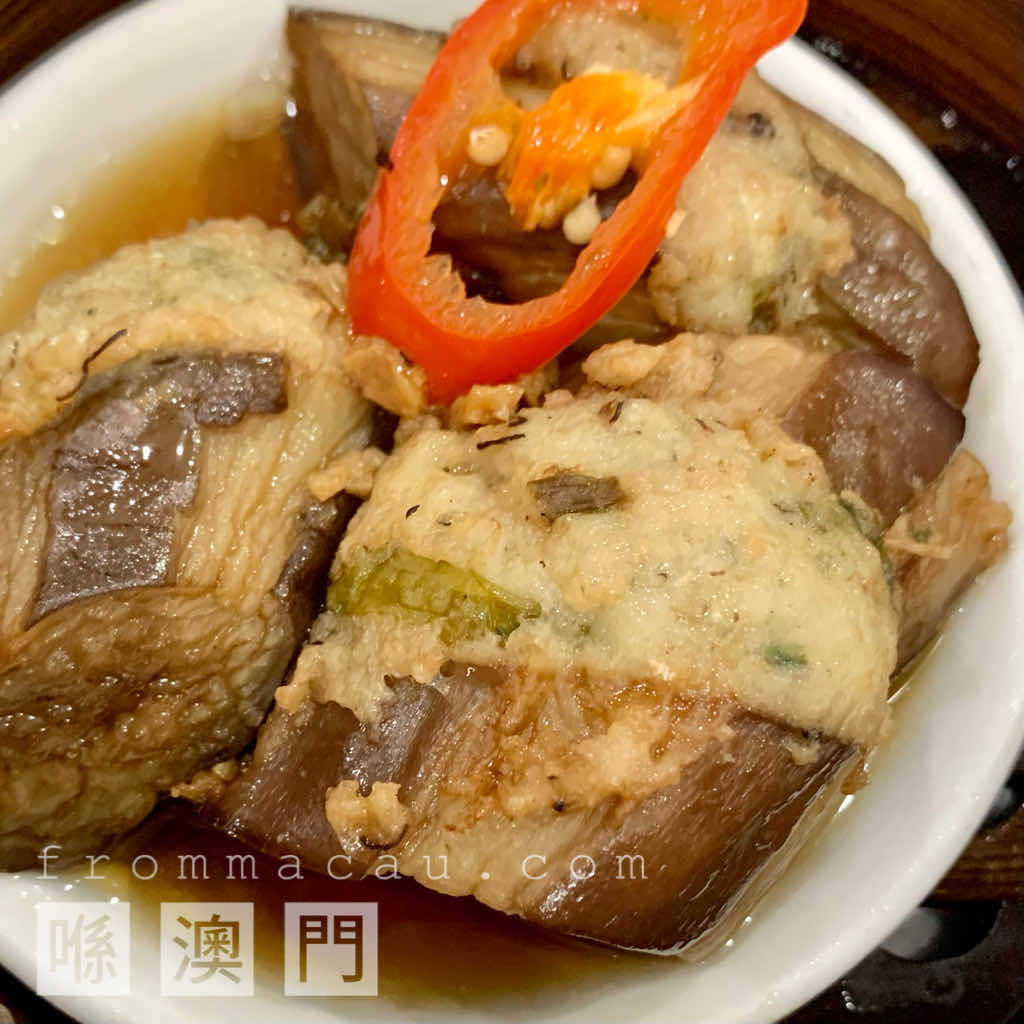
<point x="962" y="241"/>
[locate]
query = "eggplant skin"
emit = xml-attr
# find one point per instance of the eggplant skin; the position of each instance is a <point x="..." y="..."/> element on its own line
<point x="122" y="682"/>
<point x="880" y="429"/>
<point x="354" y="80"/>
<point x="583" y="733"/>
<point x="723" y="830"/>
<point x="828" y="253"/>
<point x="113" y="506"/>
<point x="161" y="555"/>
<point x="277" y="803"/>
<point x="901" y="296"/>
<point x="656" y="874"/>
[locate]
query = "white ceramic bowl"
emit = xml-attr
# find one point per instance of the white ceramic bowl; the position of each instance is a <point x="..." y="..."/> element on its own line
<point x="957" y="729"/>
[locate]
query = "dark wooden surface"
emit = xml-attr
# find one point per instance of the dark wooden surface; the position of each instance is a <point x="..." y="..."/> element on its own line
<point x="953" y="70"/>
<point x="966" y="51"/>
<point x="990" y="868"/>
<point x="28" y="28"/>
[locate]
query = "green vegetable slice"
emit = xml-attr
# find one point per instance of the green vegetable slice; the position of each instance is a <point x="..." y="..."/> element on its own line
<point x="468" y="603"/>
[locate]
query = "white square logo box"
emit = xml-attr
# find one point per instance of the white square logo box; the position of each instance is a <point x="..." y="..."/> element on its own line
<point x="83" y="949"/>
<point x="330" y="949"/>
<point x="206" y="949"/>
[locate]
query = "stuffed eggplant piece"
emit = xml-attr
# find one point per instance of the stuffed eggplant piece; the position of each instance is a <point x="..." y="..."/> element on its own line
<point x="881" y="432"/>
<point x="785" y="224"/>
<point x="603" y="668"/>
<point x="160" y="553"/>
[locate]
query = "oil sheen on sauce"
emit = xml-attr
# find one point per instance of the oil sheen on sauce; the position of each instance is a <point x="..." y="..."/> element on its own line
<point x="434" y="951"/>
<point x="193" y="171"/>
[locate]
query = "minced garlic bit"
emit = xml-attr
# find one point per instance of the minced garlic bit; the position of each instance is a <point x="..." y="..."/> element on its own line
<point x="612" y="167"/>
<point x="376" y="820"/>
<point x="486" y="405"/>
<point x="803" y="751"/>
<point x="558" y="399"/>
<point x="207" y="785"/>
<point x="770" y="441"/>
<point x="679" y="370"/>
<point x="326" y="668"/>
<point x="353" y="473"/>
<point x="622" y="364"/>
<point x="488" y="144"/>
<point x="582" y="221"/>
<point x="383" y="376"/>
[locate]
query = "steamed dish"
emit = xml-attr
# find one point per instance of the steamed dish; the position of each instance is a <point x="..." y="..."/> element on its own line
<point x="605" y="653"/>
<point x="613" y="631"/>
<point x="150" y="407"/>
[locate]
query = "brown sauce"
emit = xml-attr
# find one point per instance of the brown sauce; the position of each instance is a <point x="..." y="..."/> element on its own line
<point x="433" y="950"/>
<point x="192" y="171"/>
